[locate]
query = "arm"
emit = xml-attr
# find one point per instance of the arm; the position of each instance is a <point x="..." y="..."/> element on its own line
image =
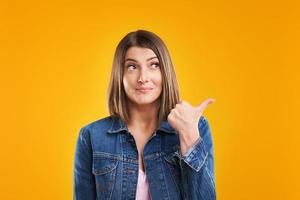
<point x="197" y="166"/>
<point x="84" y="182"/>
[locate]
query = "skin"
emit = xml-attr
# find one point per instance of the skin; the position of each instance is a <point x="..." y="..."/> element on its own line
<point x="143" y="107"/>
<point x="184" y="119"/>
<point x="142" y="70"/>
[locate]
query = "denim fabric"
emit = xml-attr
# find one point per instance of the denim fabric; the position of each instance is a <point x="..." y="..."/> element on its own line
<point x="106" y="163"/>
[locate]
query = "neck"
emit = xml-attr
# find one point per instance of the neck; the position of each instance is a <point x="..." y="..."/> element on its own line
<point x="143" y="117"/>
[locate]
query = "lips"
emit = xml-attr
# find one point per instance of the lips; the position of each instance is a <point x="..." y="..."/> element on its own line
<point x="144" y="89"/>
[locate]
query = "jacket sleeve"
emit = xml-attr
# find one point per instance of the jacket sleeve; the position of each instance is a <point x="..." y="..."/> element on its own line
<point x="197" y="167"/>
<point x="84" y="181"/>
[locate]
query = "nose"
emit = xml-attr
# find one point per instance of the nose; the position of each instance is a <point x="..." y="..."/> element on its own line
<point x="144" y="76"/>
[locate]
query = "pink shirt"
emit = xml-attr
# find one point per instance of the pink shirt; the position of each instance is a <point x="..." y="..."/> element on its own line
<point x="142" y="190"/>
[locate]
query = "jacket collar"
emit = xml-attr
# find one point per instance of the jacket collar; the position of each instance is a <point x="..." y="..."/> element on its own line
<point x="118" y="125"/>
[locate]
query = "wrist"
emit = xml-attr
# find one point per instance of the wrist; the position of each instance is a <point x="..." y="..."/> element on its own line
<point x="188" y="141"/>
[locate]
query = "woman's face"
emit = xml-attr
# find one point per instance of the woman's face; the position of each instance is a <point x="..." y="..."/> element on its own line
<point x="142" y="76"/>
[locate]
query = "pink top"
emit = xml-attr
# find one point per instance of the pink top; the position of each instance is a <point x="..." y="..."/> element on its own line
<point x="142" y="190"/>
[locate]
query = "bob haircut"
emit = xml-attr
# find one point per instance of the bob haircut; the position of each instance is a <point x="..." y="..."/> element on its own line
<point x="116" y="96"/>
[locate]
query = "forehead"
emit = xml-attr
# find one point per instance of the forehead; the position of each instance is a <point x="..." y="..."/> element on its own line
<point x="139" y="53"/>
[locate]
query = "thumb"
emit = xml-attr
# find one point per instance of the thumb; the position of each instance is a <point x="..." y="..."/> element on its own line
<point x="200" y="108"/>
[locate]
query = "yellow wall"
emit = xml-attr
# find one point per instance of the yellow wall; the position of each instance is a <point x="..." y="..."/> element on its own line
<point x="55" y="63"/>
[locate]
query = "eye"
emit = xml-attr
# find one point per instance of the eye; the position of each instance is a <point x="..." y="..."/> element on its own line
<point x="131" y="66"/>
<point x="156" y="64"/>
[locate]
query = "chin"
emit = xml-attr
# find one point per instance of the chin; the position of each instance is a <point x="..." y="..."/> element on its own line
<point x="145" y="101"/>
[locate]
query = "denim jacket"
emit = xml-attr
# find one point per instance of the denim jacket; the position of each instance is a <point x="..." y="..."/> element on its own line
<point x="106" y="163"/>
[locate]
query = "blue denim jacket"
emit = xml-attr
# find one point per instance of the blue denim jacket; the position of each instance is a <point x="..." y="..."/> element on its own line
<point x="106" y="163"/>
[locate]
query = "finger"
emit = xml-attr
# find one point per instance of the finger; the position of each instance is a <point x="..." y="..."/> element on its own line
<point x="204" y="104"/>
<point x="185" y="102"/>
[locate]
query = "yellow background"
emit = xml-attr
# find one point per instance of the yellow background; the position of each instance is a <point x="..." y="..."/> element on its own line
<point x="55" y="63"/>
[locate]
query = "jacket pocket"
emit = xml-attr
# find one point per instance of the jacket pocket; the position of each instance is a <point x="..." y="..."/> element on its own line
<point x="104" y="169"/>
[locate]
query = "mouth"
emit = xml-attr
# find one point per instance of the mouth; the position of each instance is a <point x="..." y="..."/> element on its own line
<point x="144" y="90"/>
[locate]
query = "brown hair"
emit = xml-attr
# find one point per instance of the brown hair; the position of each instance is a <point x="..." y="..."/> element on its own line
<point x="116" y="97"/>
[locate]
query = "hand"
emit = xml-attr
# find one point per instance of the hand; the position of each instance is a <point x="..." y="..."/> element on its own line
<point x="184" y="119"/>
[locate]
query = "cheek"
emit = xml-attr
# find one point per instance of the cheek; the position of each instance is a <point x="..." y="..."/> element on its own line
<point x="127" y="82"/>
<point x="158" y="80"/>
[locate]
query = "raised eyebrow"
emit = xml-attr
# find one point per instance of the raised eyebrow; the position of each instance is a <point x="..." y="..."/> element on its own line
<point x="131" y="59"/>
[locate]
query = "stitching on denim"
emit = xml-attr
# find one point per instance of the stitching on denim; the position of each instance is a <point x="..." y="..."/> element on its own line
<point x="211" y="179"/>
<point x="199" y="167"/>
<point x="106" y="155"/>
<point x="97" y="171"/>
<point x="163" y="171"/>
<point x="171" y="172"/>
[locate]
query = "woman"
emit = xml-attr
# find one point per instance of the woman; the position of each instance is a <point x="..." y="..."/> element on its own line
<point x="152" y="146"/>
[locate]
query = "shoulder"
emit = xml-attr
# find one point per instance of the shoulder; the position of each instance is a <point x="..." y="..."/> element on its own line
<point x="97" y="135"/>
<point x="202" y="121"/>
<point x="99" y="123"/>
<point x="204" y="127"/>
<point x="96" y="127"/>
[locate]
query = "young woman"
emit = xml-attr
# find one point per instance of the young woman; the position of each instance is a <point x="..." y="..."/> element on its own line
<point x="153" y="145"/>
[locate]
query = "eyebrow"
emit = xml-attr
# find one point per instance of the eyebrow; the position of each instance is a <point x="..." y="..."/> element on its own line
<point x="131" y="59"/>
